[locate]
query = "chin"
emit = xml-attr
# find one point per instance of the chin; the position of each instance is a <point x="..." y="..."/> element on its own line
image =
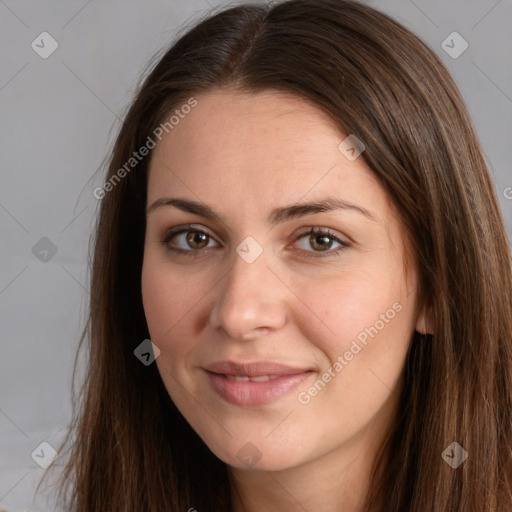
<point x="257" y="455"/>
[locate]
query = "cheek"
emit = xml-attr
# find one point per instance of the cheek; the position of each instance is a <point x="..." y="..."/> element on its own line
<point x="363" y="324"/>
<point x="340" y="309"/>
<point x="167" y="299"/>
<point x="371" y="320"/>
<point x="170" y="303"/>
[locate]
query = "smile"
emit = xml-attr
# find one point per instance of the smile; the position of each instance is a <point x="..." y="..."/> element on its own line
<point x="249" y="384"/>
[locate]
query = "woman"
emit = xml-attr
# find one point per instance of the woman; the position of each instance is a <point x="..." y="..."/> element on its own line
<point x="298" y="215"/>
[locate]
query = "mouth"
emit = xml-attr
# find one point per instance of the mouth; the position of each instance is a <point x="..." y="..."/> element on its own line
<point x="258" y="383"/>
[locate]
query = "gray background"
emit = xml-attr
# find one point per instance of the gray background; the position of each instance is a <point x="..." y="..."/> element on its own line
<point x="58" y="117"/>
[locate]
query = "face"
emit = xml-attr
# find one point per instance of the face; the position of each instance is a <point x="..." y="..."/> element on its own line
<point x="283" y="324"/>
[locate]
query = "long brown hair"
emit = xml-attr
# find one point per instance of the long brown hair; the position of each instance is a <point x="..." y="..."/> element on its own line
<point x="131" y="450"/>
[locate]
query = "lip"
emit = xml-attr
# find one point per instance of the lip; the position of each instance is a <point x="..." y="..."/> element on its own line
<point x="282" y="380"/>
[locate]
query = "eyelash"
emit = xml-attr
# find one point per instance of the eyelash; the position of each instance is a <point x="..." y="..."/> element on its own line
<point x="312" y="231"/>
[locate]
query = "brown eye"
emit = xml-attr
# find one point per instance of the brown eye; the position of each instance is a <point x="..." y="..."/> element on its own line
<point x="197" y="239"/>
<point x="320" y="242"/>
<point x="187" y="240"/>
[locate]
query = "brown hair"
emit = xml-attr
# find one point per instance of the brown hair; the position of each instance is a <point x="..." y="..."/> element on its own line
<point x="131" y="450"/>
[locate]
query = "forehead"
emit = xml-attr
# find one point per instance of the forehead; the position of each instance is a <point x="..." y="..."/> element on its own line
<point x="251" y="149"/>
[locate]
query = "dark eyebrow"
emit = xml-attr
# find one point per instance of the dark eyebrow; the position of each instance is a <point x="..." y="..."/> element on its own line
<point x="277" y="216"/>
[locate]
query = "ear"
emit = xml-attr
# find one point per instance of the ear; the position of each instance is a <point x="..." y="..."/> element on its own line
<point x="424" y="320"/>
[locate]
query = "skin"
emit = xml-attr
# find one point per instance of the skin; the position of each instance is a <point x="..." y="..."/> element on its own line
<point x="244" y="155"/>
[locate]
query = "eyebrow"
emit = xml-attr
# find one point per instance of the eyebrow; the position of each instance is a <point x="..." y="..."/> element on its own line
<point x="277" y="215"/>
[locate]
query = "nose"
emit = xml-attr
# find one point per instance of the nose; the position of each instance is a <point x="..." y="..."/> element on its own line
<point x="250" y="301"/>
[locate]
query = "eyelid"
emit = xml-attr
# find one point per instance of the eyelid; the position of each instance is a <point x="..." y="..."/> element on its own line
<point x="322" y="230"/>
<point x="187" y="227"/>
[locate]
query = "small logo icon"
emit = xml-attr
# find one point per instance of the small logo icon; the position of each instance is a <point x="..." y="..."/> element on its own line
<point x="249" y="454"/>
<point x="44" y="45"/>
<point x="44" y="455"/>
<point x="44" y="250"/>
<point x="508" y="193"/>
<point x="454" y="45"/>
<point x="351" y="147"/>
<point x="147" y="352"/>
<point x="454" y="455"/>
<point x="249" y="250"/>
